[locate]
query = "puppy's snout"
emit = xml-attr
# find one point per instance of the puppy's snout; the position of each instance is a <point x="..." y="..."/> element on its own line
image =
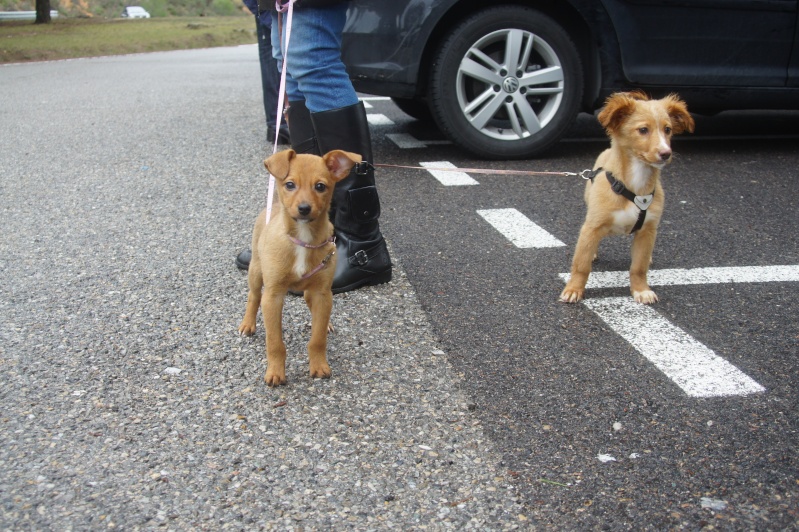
<point x="304" y="209"/>
<point x="664" y="155"/>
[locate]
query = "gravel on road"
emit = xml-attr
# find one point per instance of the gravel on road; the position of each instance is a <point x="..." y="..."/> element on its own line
<point x="128" y="398"/>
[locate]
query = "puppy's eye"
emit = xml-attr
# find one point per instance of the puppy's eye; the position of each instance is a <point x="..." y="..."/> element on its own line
<point x="667" y="130"/>
<point x="320" y="187"/>
<point x="290" y="185"/>
<point x="643" y="130"/>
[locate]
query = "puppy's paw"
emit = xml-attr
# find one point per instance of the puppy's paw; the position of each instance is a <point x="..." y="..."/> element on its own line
<point x="647" y="297"/>
<point x="247" y="328"/>
<point x="274" y="378"/>
<point x="320" y="371"/>
<point x="571" y="295"/>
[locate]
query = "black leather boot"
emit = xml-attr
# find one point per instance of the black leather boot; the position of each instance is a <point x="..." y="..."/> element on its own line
<point x="301" y="131"/>
<point x="303" y="140"/>
<point x="243" y="260"/>
<point x="362" y="253"/>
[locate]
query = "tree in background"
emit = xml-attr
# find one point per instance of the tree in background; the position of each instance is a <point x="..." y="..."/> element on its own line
<point x="42" y="12"/>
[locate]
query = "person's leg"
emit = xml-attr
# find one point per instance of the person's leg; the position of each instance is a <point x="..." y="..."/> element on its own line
<point x="317" y="74"/>
<point x="269" y="53"/>
<point x="270" y="79"/>
<point x="301" y="135"/>
<point x="325" y="114"/>
<point x="292" y="90"/>
<point x="363" y="257"/>
<point x="338" y="121"/>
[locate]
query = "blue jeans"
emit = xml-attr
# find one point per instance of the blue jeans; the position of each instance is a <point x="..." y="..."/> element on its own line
<point x="315" y="72"/>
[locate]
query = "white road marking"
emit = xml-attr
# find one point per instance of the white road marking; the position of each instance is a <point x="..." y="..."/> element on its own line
<point x="519" y="229"/>
<point x="448" y="178"/>
<point x="405" y="141"/>
<point x="692" y="366"/>
<point x="377" y="119"/>
<point x="680" y="276"/>
<point x="367" y="105"/>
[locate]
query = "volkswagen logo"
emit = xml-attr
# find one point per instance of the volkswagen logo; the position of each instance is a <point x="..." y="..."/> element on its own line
<point x="510" y="84"/>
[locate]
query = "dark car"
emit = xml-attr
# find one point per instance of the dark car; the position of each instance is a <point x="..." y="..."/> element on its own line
<point x="505" y="79"/>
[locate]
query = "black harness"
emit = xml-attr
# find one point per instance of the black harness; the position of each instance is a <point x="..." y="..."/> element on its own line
<point x="642" y="202"/>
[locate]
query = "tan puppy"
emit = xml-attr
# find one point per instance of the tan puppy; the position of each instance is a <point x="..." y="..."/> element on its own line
<point x="296" y="251"/>
<point x="640" y="132"/>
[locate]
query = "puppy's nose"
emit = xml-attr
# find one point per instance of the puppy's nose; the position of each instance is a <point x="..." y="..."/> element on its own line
<point x="304" y="209"/>
<point x="664" y="155"/>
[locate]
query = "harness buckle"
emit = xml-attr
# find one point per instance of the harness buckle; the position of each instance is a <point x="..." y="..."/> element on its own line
<point x="618" y="187"/>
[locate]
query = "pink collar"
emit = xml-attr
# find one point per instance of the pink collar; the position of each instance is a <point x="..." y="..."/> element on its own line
<point x="311" y="246"/>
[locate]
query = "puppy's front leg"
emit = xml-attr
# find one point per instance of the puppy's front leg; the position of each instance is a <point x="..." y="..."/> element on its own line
<point x="272" y="310"/>
<point x="643" y="244"/>
<point x="584" y="253"/>
<point x="255" y="283"/>
<point x="321" y="306"/>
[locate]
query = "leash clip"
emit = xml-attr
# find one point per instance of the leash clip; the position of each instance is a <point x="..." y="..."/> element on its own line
<point x="588" y="174"/>
<point x="328" y="257"/>
<point x="362" y="167"/>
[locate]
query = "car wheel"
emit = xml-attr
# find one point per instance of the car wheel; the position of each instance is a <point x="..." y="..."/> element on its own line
<point x="506" y="83"/>
<point x="415" y="108"/>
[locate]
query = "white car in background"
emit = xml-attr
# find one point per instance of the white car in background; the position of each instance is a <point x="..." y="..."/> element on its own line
<point x="135" y="12"/>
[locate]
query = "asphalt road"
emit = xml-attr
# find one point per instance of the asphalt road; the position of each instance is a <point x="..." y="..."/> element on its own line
<point x="464" y="396"/>
<point x="556" y="386"/>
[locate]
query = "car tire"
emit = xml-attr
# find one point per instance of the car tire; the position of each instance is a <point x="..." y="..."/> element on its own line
<point x="500" y="105"/>
<point x="415" y="108"/>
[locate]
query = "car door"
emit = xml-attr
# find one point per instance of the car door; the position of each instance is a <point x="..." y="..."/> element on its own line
<point x="724" y="43"/>
<point x="793" y="68"/>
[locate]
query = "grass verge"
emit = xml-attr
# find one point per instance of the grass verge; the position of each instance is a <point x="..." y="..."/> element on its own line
<point x="71" y="38"/>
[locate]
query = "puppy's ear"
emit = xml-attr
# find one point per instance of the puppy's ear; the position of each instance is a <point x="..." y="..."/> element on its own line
<point x="339" y="163"/>
<point x="618" y="107"/>
<point x="279" y="163"/>
<point x="681" y="119"/>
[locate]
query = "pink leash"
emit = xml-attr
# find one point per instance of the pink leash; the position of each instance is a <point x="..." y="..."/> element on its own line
<point x="282" y="6"/>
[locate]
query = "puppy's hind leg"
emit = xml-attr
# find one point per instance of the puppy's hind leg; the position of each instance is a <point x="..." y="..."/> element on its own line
<point x="643" y="244"/>
<point x="321" y="305"/>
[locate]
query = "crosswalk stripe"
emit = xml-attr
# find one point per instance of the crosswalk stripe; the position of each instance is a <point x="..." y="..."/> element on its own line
<point x="519" y="229"/>
<point x="686" y="276"/>
<point x="447" y="178"/>
<point x="692" y="366"/>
